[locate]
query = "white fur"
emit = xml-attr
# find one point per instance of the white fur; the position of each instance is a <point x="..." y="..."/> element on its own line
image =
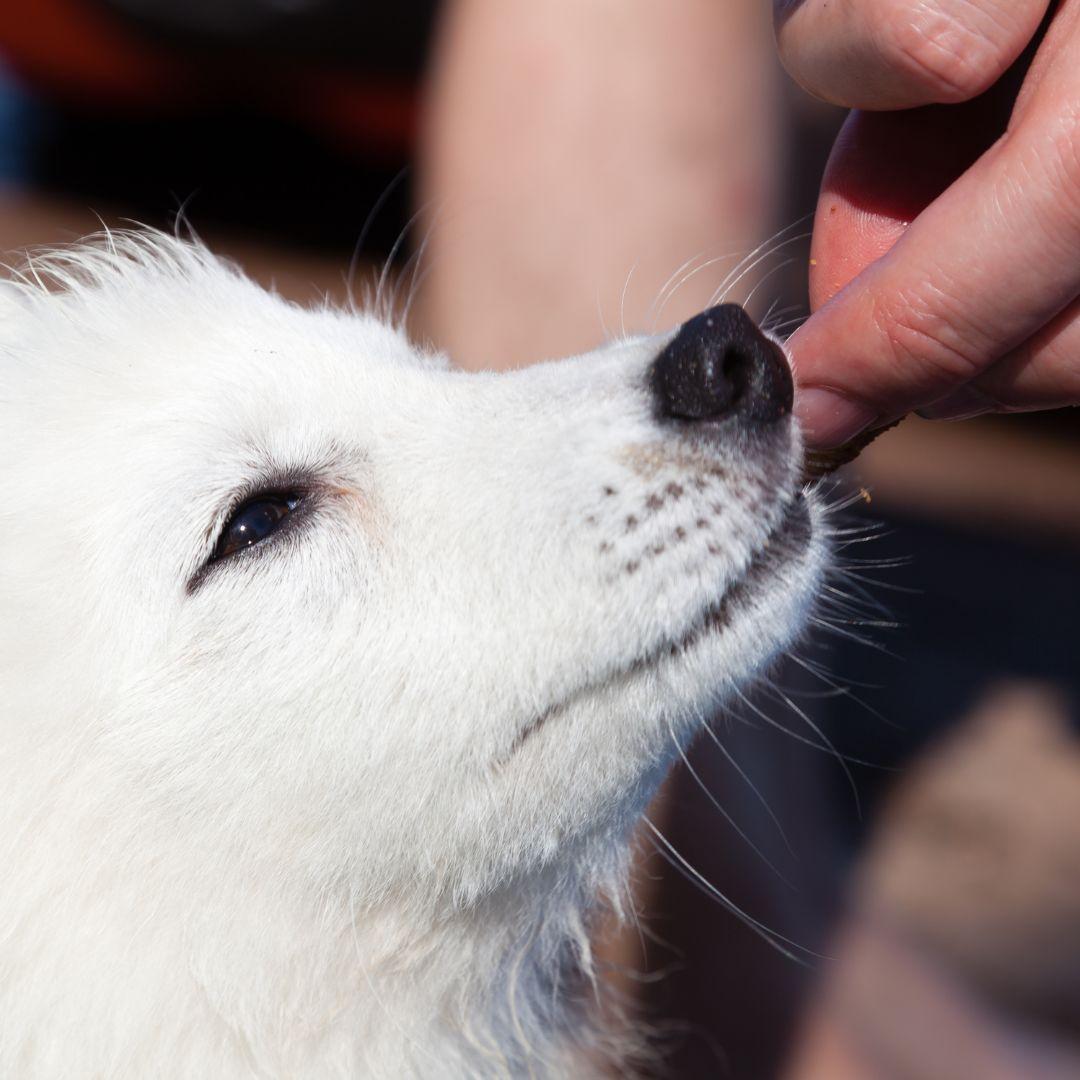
<point x="301" y="820"/>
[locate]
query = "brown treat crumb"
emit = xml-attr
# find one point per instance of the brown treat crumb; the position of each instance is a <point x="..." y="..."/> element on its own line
<point x="819" y="463"/>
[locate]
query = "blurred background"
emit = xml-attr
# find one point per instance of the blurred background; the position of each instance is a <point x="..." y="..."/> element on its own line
<point x="896" y="806"/>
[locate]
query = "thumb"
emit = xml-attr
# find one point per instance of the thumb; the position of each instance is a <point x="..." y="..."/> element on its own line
<point x="884" y="170"/>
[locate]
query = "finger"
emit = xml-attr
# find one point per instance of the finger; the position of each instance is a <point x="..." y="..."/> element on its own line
<point x="1042" y="373"/>
<point x="898" y="54"/>
<point x="885" y="168"/>
<point x="982" y="269"/>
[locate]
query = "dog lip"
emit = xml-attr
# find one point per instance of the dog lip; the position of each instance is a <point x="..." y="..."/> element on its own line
<point x="714" y="616"/>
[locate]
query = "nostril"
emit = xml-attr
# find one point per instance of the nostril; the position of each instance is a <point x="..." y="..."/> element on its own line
<point x="736" y="370"/>
<point x="720" y="364"/>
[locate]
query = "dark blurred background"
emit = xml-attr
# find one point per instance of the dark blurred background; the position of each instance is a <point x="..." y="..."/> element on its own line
<point x="277" y="128"/>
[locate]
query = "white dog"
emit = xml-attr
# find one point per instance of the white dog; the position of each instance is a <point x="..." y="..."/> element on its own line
<point x="333" y="681"/>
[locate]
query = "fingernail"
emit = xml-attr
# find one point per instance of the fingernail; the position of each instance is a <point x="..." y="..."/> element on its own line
<point x="828" y="418"/>
<point x="962" y="404"/>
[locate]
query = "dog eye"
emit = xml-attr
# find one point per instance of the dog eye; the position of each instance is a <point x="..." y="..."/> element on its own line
<point x="253" y="521"/>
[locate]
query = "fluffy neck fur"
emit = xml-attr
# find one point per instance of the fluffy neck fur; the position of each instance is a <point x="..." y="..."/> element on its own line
<point x="249" y="970"/>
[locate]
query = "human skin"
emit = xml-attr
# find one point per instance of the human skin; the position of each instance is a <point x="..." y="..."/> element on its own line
<point x="574" y="155"/>
<point x="944" y="275"/>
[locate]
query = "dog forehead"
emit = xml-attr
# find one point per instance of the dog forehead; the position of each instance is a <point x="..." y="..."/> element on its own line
<point x="286" y="363"/>
<point x="147" y="305"/>
<point x="84" y="364"/>
<point x="256" y="343"/>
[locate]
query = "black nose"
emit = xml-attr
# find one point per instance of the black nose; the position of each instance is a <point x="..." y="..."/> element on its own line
<point x="720" y="364"/>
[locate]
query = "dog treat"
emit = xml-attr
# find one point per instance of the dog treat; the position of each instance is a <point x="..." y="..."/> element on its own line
<point x="819" y="463"/>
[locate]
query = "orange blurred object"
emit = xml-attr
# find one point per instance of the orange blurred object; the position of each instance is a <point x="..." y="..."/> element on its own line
<point x="81" y="55"/>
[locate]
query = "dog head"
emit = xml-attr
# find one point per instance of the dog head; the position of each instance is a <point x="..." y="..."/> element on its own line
<point x="290" y="589"/>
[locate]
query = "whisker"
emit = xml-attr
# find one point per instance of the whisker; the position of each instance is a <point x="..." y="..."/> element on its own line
<point x="857" y="594"/>
<point x="622" y="301"/>
<point x="414" y="291"/>
<point x="407" y="271"/>
<point x="784" y="945"/>
<point x="838" y="690"/>
<point x="848" y="615"/>
<point x="817" y="730"/>
<point x="751" y="785"/>
<point x="786" y="312"/>
<point x="854" y="575"/>
<point x="860" y="534"/>
<point x="724" y="813"/>
<point x="369" y="221"/>
<point x="880" y="564"/>
<point x="764" y="320"/>
<point x="749" y="264"/>
<point x="775" y="270"/>
<point x="775" y="240"/>
<point x="850" y="635"/>
<point x="605" y="330"/>
<point x="689" y="275"/>
<point x="663" y="288"/>
<point x="845" y="502"/>
<point x="823" y="747"/>
<point x="785" y="328"/>
<point x="385" y="273"/>
<point x="417" y="276"/>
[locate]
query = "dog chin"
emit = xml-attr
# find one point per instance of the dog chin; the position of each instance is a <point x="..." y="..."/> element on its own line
<point x="735" y="637"/>
<point x="757" y="617"/>
<point x="725" y="645"/>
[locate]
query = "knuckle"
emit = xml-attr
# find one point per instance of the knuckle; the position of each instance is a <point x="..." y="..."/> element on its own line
<point x="927" y="348"/>
<point x="1069" y="381"/>
<point x="791" y="50"/>
<point x="1066" y="385"/>
<point x="1043" y="180"/>
<point x="1061" y="374"/>
<point x="939" y="49"/>
<point x="1039" y="375"/>
<point x="1064" y="151"/>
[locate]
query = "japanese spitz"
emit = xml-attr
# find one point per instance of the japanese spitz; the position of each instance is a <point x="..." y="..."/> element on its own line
<point x="333" y="680"/>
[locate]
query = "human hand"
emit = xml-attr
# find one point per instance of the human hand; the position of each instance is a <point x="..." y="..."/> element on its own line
<point x="945" y="264"/>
